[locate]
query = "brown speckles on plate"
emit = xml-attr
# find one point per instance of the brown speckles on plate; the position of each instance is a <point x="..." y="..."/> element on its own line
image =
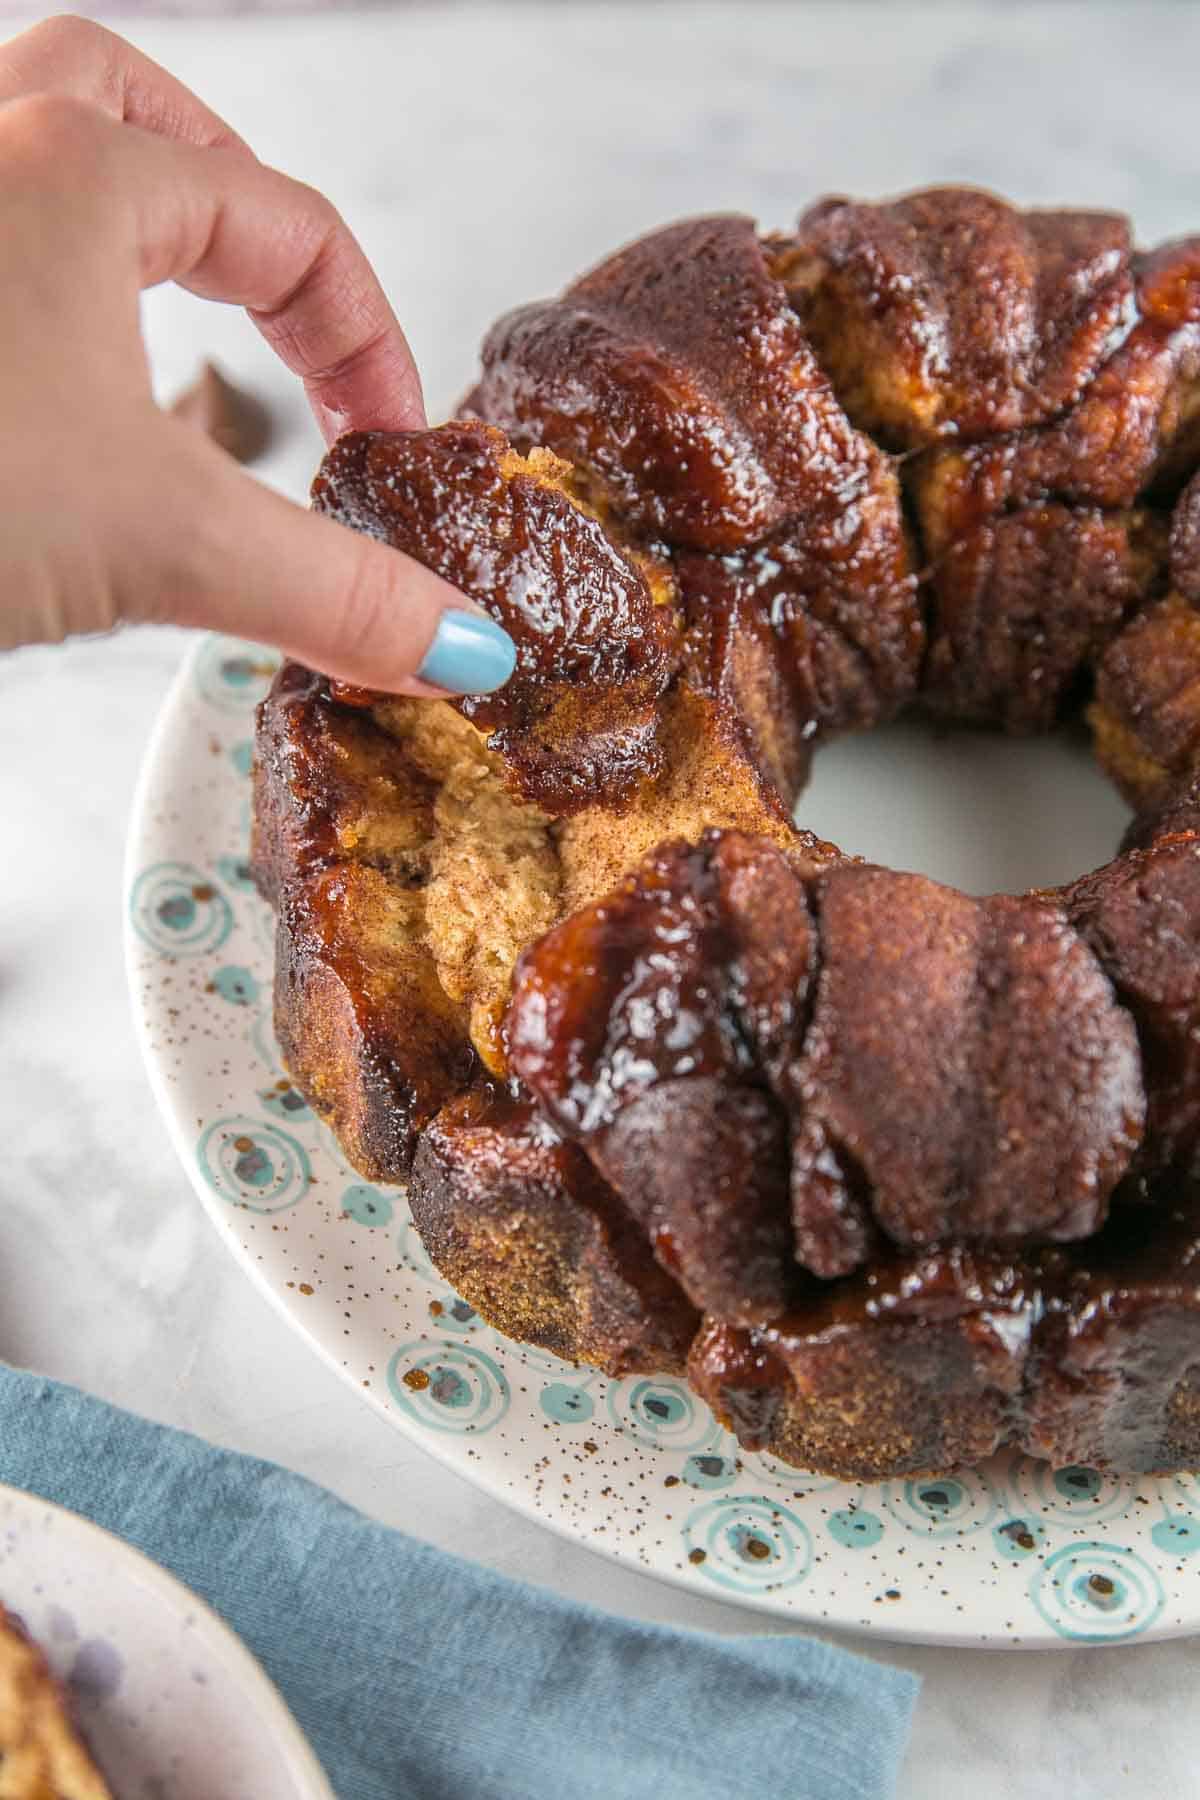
<point x="631" y="1496"/>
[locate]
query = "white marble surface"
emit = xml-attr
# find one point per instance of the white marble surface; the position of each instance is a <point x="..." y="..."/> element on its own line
<point x="484" y="156"/>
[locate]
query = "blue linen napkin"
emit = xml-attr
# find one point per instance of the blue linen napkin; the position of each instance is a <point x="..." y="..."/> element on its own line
<point x="418" y="1676"/>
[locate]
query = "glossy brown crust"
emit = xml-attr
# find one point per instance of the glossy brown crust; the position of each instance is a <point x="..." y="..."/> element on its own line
<point x="870" y="1127"/>
<point x="328" y="784"/>
<point x="1141" y="916"/>
<point x="627" y="1026"/>
<point x="924" y="1364"/>
<point x="1185" y="543"/>
<point x="406" y="883"/>
<point x="702" y="1165"/>
<point x="912" y="1369"/>
<point x="1043" y="542"/>
<point x="1113" y="1378"/>
<point x="950" y="1069"/>
<point x="678" y="376"/>
<point x="1025" y="605"/>
<point x="920" y="1364"/>
<point x="736" y="673"/>
<point x="341" y="815"/>
<point x="526" y="1230"/>
<point x="967" y="1066"/>
<point x="1145" y="717"/>
<point x="1133" y="431"/>
<point x="362" y="1020"/>
<point x="577" y="722"/>
<point x="836" y="597"/>
<point x="637" y="989"/>
<point x="951" y="313"/>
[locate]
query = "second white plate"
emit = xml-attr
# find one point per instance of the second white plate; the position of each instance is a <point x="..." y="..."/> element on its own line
<point x="171" y="1702"/>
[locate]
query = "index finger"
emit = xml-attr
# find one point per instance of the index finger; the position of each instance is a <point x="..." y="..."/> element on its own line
<point x="331" y="322"/>
<point x="82" y="60"/>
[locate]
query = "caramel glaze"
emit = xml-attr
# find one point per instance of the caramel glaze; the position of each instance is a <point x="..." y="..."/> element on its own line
<point x="578" y="722"/>
<point x="637" y="1026"/>
<point x="950" y="313"/>
<point x="1089" y="1353"/>
<point x="1077" y="505"/>
<point x="339" y="811"/>
<point x="944" y="1066"/>
<point x="678" y="377"/>
<point x="924" y="1162"/>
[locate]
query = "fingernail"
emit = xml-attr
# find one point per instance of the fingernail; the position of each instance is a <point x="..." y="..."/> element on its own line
<point x="470" y="654"/>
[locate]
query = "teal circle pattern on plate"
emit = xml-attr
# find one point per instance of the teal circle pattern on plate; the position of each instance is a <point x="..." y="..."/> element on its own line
<point x="178" y="911"/>
<point x="235" y="984"/>
<point x="232" y="674"/>
<point x="253" y="1164"/>
<point x="242" y="756"/>
<point x="955" y="1506"/>
<point x="451" y="1387"/>
<point x="748" y="1542"/>
<point x="1178" y="1534"/>
<point x="286" y="1102"/>
<point x="706" y="1469"/>
<point x="367" y="1205"/>
<point x="1096" y="1593"/>
<point x="855" y="1527"/>
<point x="453" y="1313"/>
<point x="1018" y="1539"/>
<point x="661" y="1413"/>
<point x="1072" y="1495"/>
<point x="566" y="1404"/>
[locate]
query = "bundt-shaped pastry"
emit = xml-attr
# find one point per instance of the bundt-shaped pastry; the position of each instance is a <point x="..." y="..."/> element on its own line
<point x="897" y="1174"/>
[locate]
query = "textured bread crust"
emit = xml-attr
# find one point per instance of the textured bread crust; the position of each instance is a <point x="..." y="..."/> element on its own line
<point x="42" y="1755"/>
<point x="923" y="1164"/>
<point x="407" y="879"/>
<point x="527" y="1231"/>
<point x="924" y="1364"/>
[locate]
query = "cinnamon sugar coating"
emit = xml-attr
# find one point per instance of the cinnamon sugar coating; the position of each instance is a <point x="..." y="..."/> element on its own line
<point x="900" y="1175"/>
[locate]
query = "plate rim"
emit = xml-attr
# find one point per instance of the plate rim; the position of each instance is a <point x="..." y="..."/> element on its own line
<point x="865" y="1632"/>
<point x="303" y="1764"/>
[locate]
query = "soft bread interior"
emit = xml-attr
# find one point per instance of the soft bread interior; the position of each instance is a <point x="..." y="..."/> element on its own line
<point x="493" y="872"/>
<point x="492" y="878"/>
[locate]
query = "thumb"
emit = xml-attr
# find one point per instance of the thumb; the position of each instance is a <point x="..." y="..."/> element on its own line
<point x="219" y="550"/>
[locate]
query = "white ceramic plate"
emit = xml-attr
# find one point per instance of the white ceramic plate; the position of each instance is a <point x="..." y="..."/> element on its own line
<point x="1012" y="1553"/>
<point x="171" y="1702"/>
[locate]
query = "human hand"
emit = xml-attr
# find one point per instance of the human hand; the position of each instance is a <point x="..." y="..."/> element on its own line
<point x="113" y="178"/>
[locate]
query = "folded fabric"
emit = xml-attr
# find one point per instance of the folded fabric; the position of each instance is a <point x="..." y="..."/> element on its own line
<point x="418" y="1676"/>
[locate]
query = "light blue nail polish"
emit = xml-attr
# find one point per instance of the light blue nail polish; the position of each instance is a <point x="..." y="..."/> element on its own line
<point x="470" y="654"/>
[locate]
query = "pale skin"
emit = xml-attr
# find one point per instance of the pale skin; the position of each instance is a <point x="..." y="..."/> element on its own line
<point x="113" y="178"/>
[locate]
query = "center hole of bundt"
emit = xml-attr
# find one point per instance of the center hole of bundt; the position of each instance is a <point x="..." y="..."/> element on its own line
<point x="984" y="812"/>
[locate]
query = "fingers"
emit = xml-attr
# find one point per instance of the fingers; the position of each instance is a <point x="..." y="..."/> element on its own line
<point x="336" y="331"/>
<point x="208" y="215"/>
<point x="233" y="556"/>
<point x="82" y="60"/>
